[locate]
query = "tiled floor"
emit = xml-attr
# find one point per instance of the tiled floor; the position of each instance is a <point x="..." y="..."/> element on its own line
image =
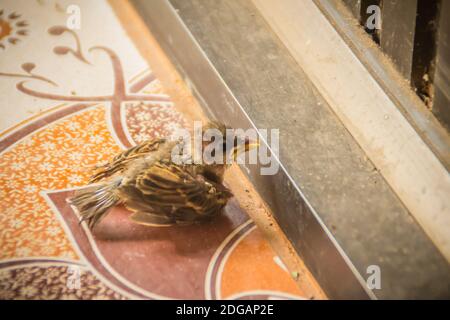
<point x="70" y="100"/>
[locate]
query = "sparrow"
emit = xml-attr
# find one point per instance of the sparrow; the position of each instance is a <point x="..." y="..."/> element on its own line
<point x="158" y="190"/>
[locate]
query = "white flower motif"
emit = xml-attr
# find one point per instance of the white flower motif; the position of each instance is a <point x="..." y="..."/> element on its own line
<point x="28" y="142"/>
<point x="143" y="116"/>
<point x="75" y="178"/>
<point x="47" y="250"/>
<point x="12" y="184"/>
<point x="58" y="153"/>
<point x="28" y="291"/>
<point x="38" y="207"/>
<point x="45" y="166"/>
<point x="53" y="231"/>
<point x="39" y="176"/>
<point x="18" y="166"/>
<point x="30" y="188"/>
<point x="23" y="251"/>
<point x="48" y="145"/>
<point x="96" y="139"/>
<point x="16" y="223"/>
<point x="78" y="142"/>
<point x="37" y="158"/>
<point x="73" y="126"/>
<point x="75" y="156"/>
<point x="23" y="153"/>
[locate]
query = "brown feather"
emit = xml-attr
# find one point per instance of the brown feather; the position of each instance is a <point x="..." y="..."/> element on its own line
<point x="159" y="192"/>
<point x="174" y="192"/>
<point x="120" y="162"/>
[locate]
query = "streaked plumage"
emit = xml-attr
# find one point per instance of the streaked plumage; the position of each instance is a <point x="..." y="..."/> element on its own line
<point x="158" y="191"/>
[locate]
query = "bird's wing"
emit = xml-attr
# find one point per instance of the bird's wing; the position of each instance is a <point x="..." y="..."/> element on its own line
<point x="169" y="192"/>
<point x="119" y="162"/>
<point x="151" y="220"/>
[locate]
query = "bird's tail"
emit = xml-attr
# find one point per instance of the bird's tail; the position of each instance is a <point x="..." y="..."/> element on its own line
<point x="94" y="202"/>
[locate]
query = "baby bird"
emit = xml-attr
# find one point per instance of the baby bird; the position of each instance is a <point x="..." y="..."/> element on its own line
<point x="158" y="191"/>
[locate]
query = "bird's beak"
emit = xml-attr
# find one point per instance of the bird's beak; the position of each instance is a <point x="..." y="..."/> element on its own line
<point x="245" y="146"/>
<point x="250" y="144"/>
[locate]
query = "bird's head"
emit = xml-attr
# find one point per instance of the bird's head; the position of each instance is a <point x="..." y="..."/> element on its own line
<point x="232" y="145"/>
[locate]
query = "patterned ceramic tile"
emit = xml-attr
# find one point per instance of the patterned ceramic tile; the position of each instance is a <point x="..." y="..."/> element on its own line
<point x="69" y="101"/>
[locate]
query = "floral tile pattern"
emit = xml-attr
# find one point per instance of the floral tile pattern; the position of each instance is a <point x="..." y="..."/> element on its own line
<point x="46" y="154"/>
<point x="49" y="283"/>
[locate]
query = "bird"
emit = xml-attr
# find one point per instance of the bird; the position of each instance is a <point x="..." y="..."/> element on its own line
<point x="158" y="190"/>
